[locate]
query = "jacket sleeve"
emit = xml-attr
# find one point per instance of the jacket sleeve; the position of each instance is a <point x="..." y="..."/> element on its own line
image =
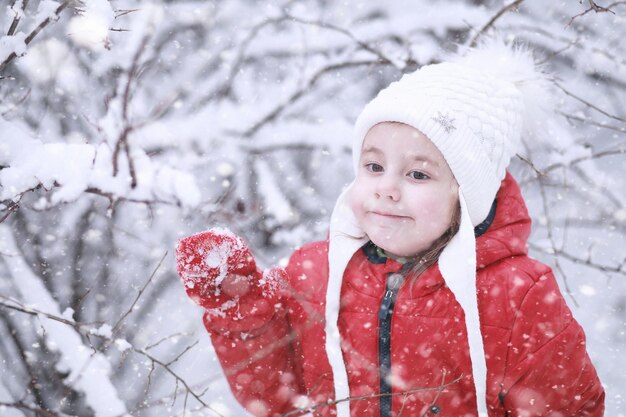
<point x="253" y="342"/>
<point x="548" y="371"/>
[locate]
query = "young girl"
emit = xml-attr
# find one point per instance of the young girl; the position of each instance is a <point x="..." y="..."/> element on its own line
<point x="423" y="300"/>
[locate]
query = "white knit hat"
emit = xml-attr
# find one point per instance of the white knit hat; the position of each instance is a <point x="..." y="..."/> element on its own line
<point x="474" y="108"/>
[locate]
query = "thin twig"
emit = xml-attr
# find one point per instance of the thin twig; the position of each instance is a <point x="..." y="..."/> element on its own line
<point x="20" y="405"/>
<point x="123" y="12"/>
<point x="122" y="141"/>
<point x="158" y="342"/>
<point x="364" y="45"/>
<point x="301" y="92"/>
<point x="35" y="312"/>
<point x="493" y="20"/>
<point x="16" y="19"/>
<point x="610" y="152"/>
<point x="593" y="122"/>
<point x="553" y="243"/>
<point x="11" y="209"/>
<point x="145" y="285"/>
<point x="367" y="397"/>
<point x="588" y="104"/>
<point x="539" y="172"/>
<point x="619" y="269"/>
<point x="598" y="9"/>
<point x="182" y="353"/>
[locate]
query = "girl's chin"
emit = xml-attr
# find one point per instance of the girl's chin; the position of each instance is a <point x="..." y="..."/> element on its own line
<point x="390" y="248"/>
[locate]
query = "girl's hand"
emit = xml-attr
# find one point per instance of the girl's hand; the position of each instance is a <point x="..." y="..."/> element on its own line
<point x="219" y="271"/>
<point x="236" y="285"/>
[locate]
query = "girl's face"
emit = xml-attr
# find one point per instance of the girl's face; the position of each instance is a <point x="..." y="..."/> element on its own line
<point x="404" y="195"/>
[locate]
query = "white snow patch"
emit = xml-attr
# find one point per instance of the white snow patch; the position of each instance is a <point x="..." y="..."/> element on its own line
<point x="105" y="331"/>
<point x="90" y="28"/>
<point x="122" y="345"/>
<point x="14" y="44"/>
<point x="587" y="290"/>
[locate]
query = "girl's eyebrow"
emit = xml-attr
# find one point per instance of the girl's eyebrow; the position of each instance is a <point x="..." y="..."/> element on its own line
<point x="422" y="158"/>
<point x="415" y="157"/>
<point x="372" y="149"/>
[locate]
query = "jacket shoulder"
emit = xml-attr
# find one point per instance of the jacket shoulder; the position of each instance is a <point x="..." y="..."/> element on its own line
<point x="505" y="287"/>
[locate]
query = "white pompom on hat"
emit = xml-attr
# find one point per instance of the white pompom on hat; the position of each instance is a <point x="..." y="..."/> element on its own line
<point x="475" y="108"/>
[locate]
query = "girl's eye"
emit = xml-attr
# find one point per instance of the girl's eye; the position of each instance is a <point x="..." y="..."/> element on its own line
<point x="417" y="175"/>
<point x="374" y="167"/>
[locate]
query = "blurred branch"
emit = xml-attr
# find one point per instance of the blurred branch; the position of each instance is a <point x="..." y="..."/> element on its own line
<point x="13" y="205"/>
<point x="531" y="164"/>
<point x="551" y="238"/>
<point x="139" y="294"/>
<point x="593" y="122"/>
<point x="17" y="306"/>
<point x="124" y="12"/>
<point x="588" y="104"/>
<point x="35" y="32"/>
<point x="16" y="19"/>
<point x="367" y="397"/>
<point x="38" y="411"/>
<point x="363" y="45"/>
<point x="610" y="152"/>
<point x="619" y="269"/>
<point x="296" y="95"/>
<point x="11" y="208"/>
<point x="491" y="21"/>
<point x="122" y="141"/>
<point x="226" y="90"/>
<point x="570" y="42"/>
<point x="593" y="6"/>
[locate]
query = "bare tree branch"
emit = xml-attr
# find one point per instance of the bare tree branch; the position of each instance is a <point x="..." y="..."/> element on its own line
<point x="551" y="238"/>
<point x="139" y="294"/>
<point x="20" y="405"/>
<point x="588" y="104"/>
<point x="593" y="6"/>
<point x="491" y="21"/>
<point x="296" y="95"/>
<point x="16" y="19"/>
<point x="35" y="32"/>
<point x="594" y="123"/>
<point x="586" y="261"/>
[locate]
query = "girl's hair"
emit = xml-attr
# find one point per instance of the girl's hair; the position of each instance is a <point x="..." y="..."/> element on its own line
<point x="421" y="262"/>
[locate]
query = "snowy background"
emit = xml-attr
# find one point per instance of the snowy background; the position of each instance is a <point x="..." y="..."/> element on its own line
<point x="125" y="125"/>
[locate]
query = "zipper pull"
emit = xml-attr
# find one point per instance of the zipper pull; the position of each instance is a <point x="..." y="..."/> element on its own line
<point x="394" y="281"/>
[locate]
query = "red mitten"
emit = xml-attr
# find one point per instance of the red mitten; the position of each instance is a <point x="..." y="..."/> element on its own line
<point x="220" y="274"/>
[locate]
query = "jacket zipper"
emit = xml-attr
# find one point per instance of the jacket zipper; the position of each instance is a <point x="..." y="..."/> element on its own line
<point x="394" y="281"/>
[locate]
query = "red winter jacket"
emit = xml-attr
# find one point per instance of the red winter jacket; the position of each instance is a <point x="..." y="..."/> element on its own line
<point x="537" y="363"/>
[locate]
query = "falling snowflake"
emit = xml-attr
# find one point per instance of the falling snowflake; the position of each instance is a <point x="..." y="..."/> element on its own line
<point x="446" y="121"/>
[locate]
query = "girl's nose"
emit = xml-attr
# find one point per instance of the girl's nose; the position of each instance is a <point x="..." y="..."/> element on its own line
<point x="387" y="187"/>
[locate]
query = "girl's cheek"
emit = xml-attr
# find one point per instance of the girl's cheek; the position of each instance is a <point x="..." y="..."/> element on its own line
<point x="352" y="198"/>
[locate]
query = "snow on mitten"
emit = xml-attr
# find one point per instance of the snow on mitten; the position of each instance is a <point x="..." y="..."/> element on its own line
<point x="220" y="274"/>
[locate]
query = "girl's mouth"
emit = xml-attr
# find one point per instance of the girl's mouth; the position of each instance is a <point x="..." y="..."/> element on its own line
<point x="388" y="215"/>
